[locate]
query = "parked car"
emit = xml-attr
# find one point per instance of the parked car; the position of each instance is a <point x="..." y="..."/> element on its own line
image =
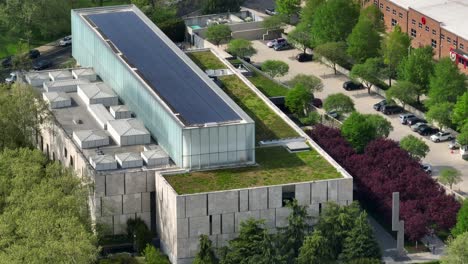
<point x="427" y="168"/>
<point x="274" y="42"/>
<point x="414" y="120"/>
<point x="282" y="46"/>
<point x="41" y="65"/>
<point x="303" y="57"/>
<point x="7" y="62"/>
<point x="379" y="105"/>
<point x="391" y="109"/>
<point x="11" y="78"/>
<point x="65" y="41"/>
<point x="427" y="130"/>
<point x="416" y="126"/>
<point x="334" y="114"/>
<point x="270" y="11"/>
<point x="454" y="145"/>
<point x="441" y="136"/>
<point x="350" y="85"/>
<point x="404" y="118"/>
<point x="34" y="54"/>
<point x="317" y="102"/>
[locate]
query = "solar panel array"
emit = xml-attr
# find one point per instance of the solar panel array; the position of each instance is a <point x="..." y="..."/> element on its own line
<point x="164" y="71"/>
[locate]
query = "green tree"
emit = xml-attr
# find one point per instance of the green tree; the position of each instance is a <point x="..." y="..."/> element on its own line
<point x="365" y="261"/>
<point x="395" y="48"/>
<point x="20" y="120"/>
<point x="415" y="146"/>
<point x="446" y="84"/>
<point x="288" y="7"/>
<point x="241" y="48"/>
<point x="404" y="91"/>
<point x="333" y="52"/>
<point x="218" y="33"/>
<point x="449" y="176"/>
<point x="462" y="138"/>
<point x="462" y="220"/>
<point x="311" y="82"/>
<point x="441" y="113"/>
<point x="277" y="21"/>
<point x="360" y="242"/>
<point x="316" y="249"/>
<point x="381" y="125"/>
<point x="308" y="11"/>
<point x="154" y="256"/>
<point x="44" y="216"/>
<point x="298" y="99"/>
<point x="221" y="6"/>
<point x="139" y="232"/>
<point x="334" y="20"/>
<point x="292" y="236"/>
<point x="373" y="13"/>
<point x="460" y="111"/>
<point x="275" y="68"/>
<point x="417" y="68"/>
<point x="21" y="60"/>
<point x="456" y="250"/>
<point x="312" y="118"/>
<point x="358" y="131"/>
<point x="339" y="102"/>
<point x="206" y="253"/>
<point x="301" y="37"/>
<point x="367" y="72"/>
<point x="364" y="41"/>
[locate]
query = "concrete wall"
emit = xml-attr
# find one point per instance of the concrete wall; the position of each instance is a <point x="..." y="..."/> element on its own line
<point x="219" y="214"/>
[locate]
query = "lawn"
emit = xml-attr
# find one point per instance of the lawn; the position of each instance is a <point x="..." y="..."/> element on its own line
<point x="276" y="166"/>
<point x="267" y="86"/>
<point x="268" y="125"/>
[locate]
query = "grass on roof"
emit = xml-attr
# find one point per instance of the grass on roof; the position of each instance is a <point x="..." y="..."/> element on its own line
<point x="206" y="60"/>
<point x="268" y="125"/>
<point x="276" y="166"/>
<point x="267" y="86"/>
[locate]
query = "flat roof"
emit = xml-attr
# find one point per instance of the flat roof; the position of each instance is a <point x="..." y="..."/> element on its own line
<point x="162" y="67"/>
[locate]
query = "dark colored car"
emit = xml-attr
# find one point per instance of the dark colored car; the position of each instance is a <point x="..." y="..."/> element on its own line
<point x="303" y="57"/>
<point x="427" y="130"/>
<point x="282" y="46"/>
<point x="391" y="109"/>
<point x="41" y="65"/>
<point x="413" y="120"/>
<point x="317" y="102"/>
<point x="270" y="11"/>
<point x="350" y="85"/>
<point x="33" y="54"/>
<point x="7" y="62"/>
<point x="379" y="105"/>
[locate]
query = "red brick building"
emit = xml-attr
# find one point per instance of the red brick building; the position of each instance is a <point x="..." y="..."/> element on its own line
<point x="443" y="24"/>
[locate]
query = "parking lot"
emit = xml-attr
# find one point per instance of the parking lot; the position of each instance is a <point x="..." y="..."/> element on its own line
<point x="439" y="156"/>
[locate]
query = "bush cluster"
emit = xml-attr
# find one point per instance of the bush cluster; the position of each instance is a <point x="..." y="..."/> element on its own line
<point x="384" y="168"/>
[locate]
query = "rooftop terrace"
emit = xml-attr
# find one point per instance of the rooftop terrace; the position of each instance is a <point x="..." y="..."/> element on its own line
<point x="276" y="166"/>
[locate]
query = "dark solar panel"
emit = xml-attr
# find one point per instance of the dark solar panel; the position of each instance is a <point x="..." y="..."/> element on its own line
<point x="165" y="72"/>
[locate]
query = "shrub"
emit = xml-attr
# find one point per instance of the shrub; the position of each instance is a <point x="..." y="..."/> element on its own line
<point x="138" y="230"/>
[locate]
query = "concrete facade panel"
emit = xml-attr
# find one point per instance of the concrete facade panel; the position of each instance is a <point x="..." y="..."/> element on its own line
<point x="269" y="216"/>
<point x="107" y="223"/>
<point x="146" y="217"/>
<point x="223" y="202"/>
<point x="319" y="191"/>
<point x="258" y="199"/>
<point x="216" y="224"/>
<point x="150" y="182"/>
<point x="333" y="191"/>
<point x="146" y="202"/>
<point x="99" y="186"/>
<point x="275" y="197"/>
<point x="243" y="200"/>
<point x="199" y="225"/>
<point x="120" y="223"/>
<point x="182" y="228"/>
<point x="180" y="204"/>
<point x="196" y="205"/>
<point x="282" y="216"/>
<point x="223" y="239"/>
<point x="345" y="190"/>
<point x="227" y="223"/>
<point x="135" y="182"/>
<point x="132" y="203"/>
<point x="187" y="247"/>
<point x="111" y="205"/>
<point x="243" y="216"/>
<point x="303" y="193"/>
<point x="115" y="184"/>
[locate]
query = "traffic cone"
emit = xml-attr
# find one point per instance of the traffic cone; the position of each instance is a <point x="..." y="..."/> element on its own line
<point x="451" y="151"/>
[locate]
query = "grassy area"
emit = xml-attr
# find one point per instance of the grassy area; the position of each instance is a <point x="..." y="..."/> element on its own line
<point x="206" y="60"/>
<point x="267" y="86"/>
<point x="276" y="166"/>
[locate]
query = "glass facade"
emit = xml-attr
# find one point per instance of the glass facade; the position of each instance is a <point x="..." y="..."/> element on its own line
<point x="189" y="147"/>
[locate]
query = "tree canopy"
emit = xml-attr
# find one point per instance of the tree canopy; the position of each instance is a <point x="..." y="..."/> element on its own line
<point x="456" y="250"/>
<point x="368" y="72"/>
<point x="395" y="48"/>
<point x="288" y="7"/>
<point x="446" y="84"/>
<point x="206" y="254"/>
<point x="364" y="41"/>
<point x="339" y="102"/>
<point x="450" y="176"/>
<point x="241" y="48"/>
<point x="218" y="33"/>
<point x="333" y="52"/>
<point x="308" y="11"/>
<point x="298" y="99"/>
<point x="404" y="91"/>
<point x="311" y="82"/>
<point x="415" y="146"/>
<point x="441" y="113"/>
<point x="275" y="68"/>
<point x="460" y="111"/>
<point x="221" y="6"/>
<point x="358" y="131"/>
<point x="462" y="220"/>
<point x="300" y="36"/>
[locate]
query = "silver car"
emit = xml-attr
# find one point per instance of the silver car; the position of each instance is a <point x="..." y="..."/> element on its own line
<point x="416" y="126"/>
<point x="12" y="78"/>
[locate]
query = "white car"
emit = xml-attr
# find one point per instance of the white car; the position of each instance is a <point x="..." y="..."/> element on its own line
<point x="441" y="136"/>
<point x="65" y="41"/>
<point x="11" y="79"/>
<point x="275" y="42"/>
<point x="404" y="118"/>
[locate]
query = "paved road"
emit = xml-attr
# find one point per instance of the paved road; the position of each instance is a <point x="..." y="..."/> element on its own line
<point x="439" y="156"/>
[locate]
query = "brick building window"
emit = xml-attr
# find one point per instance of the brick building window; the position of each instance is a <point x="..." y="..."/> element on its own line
<point x="413" y="21"/>
<point x="394" y="22"/>
<point x="461" y="46"/>
<point x="376" y="2"/>
<point x="381" y="6"/>
<point x="454" y="42"/>
<point x="413" y="32"/>
<point x="394" y="12"/>
<point x="400" y="15"/>
<point x="434" y="43"/>
<point x="387" y="8"/>
<point x="434" y="32"/>
<point x="427" y="28"/>
<point x="460" y="60"/>
<point x="442" y="36"/>
<point x="449" y="40"/>
<point x="420" y="25"/>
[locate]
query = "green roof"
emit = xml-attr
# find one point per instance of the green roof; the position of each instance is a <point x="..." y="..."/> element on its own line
<point x="275" y="166"/>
